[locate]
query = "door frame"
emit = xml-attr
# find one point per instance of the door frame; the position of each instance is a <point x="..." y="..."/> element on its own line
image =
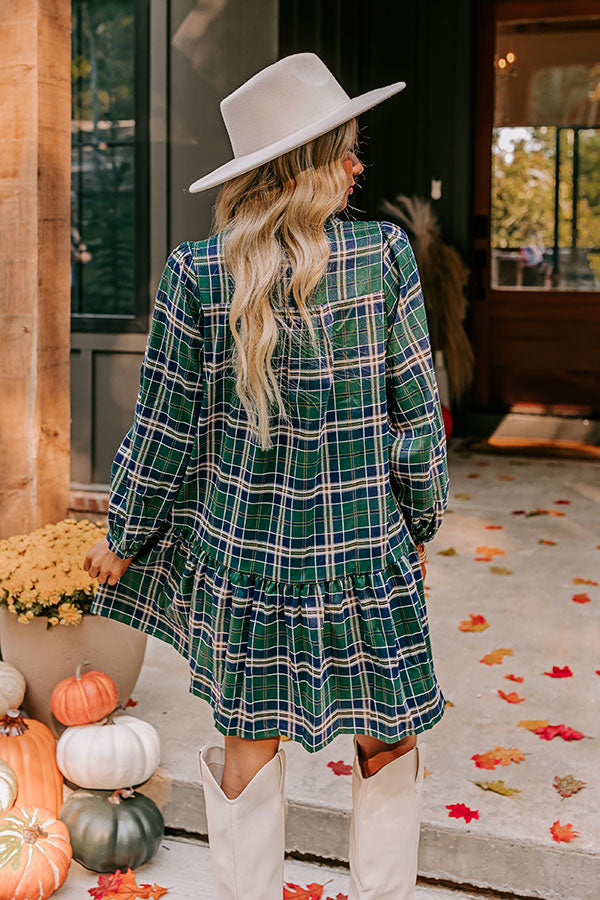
<point x="488" y="304"/>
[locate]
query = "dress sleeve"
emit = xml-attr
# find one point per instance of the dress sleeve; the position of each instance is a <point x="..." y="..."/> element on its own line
<point x="150" y="463"/>
<point x="418" y="454"/>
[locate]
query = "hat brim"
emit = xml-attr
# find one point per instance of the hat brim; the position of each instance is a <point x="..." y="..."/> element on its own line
<point x="241" y="164"/>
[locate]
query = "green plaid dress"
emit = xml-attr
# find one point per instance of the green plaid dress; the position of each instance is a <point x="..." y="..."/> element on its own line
<point x="289" y="578"/>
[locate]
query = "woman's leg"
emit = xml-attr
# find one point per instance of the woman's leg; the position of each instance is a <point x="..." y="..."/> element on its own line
<point x="245" y="757"/>
<point x="374" y="754"/>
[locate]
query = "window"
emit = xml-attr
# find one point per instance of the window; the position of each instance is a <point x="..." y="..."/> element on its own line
<point x="109" y="190"/>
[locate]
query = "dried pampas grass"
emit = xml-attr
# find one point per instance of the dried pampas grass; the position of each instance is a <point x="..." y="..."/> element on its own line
<point x="443" y="279"/>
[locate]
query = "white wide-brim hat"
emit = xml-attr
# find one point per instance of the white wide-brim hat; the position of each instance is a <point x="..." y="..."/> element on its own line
<point x="282" y="107"/>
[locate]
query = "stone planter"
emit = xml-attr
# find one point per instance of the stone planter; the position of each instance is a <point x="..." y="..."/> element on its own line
<point x="46" y="656"/>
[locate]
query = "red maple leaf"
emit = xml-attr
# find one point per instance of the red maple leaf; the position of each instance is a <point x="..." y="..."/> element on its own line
<point x="562" y="832"/>
<point x="513" y="697"/>
<point x="512" y="677"/>
<point x="123" y="886"/>
<point x="551" y="731"/>
<point x="581" y="598"/>
<point x="293" y="891"/>
<point x="493" y="527"/>
<point x="459" y="810"/>
<point x="557" y="672"/>
<point x="561" y="501"/>
<point x="340" y="767"/>
<point x="131" y="702"/>
<point x="485" y="760"/>
<point x="106" y="884"/>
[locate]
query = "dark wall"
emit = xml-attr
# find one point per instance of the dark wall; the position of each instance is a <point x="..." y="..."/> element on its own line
<point x="423" y="132"/>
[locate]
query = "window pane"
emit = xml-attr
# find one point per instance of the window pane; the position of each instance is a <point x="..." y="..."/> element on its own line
<point x="103" y="158"/>
<point x="545" y="155"/>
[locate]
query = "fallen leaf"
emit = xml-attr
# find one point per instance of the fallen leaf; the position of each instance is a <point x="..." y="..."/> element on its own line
<point x="556" y="512"/>
<point x="565" y="732"/>
<point x="122" y="886"/>
<point x="131" y="702"/>
<point x="498" y="787"/>
<point x="532" y="724"/>
<point x="562" y="832"/>
<point x="538" y="512"/>
<point x="476" y="623"/>
<point x="482" y="558"/>
<point x="581" y="598"/>
<point x="481" y="462"/>
<point x="506" y="477"/>
<point x="550" y="543"/>
<point x="284" y="737"/>
<point x="487" y="760"/>
<point x="518" y="512"/>
<point x="495" y="656"/>
<point x="518" y="462"/>
<point x="460" y="811"/>
<point x="493" y="527"/>
<point x="513" y="697"/>
<point x="340" y="768"/>
<point x="561" y="501"/>
<point x="474" y="475"/>
<point x="426" y="772"/>
<point x="512" y="677"/>
<point x="500" y="570"/>
<point x="567" y="785"/>
<point x="450" y="703"/>
<point x="312" y="891"/>
<point x="489" y="551"/>
<point x="507" y="755"/>
<point x="557" y="672"/>
<point x="462" y="496"/>
<point x="449" y="552"/>
<point x="577" y="580"/>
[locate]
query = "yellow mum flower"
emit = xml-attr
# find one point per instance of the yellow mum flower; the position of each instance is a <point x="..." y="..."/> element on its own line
<point x="69" y="614"/>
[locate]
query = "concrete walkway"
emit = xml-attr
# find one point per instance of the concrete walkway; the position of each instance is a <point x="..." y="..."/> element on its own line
<point x="524" y="587"/>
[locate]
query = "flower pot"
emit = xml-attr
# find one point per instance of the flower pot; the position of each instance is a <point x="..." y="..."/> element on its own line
<point x="47" y="655"/>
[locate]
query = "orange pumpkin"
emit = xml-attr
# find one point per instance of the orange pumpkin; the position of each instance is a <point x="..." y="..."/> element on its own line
<point x="84" y="698"/>
<point x="29" y="747"/>
<point x="35" y="853"/>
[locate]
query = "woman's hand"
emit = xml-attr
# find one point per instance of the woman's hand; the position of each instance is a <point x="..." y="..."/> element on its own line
<point x="103" y="564"/>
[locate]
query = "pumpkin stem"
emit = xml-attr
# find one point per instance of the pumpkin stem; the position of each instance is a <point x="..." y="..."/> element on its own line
<point x="79" y="669"/>
<point x="13" y="723"/>
<point x="32" y="833"/>
<point x="121" y="794"/>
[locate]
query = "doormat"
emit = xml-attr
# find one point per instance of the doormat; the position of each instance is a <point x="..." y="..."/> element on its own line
<point x="520" y="446"/>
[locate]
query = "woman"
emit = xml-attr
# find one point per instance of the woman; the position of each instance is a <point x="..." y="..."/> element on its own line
<point x="286" y="461"/>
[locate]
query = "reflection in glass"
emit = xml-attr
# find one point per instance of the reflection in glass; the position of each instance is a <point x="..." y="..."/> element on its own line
<point x="103" y="160"/>
<point x="545" y="216"/>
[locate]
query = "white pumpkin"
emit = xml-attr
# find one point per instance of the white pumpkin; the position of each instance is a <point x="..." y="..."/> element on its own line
<point x="12" y="688"/>
<point x="114" y="753"/>
<point x="9" y="786"/>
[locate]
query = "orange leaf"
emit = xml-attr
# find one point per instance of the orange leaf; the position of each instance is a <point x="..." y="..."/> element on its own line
<point x="532" y="724"/>
<point x="550" y="543"/>
<point x="476" y="623"/>
<point x="474" y="475"/>
<point x="482" y="558"/>
<point x="460" y="811"/>
<point x="512" y="677"/>
<point x="489" y="551"/>
<point x="513" y="697"/>
<point x="495" y="656"/>
<point x="487" y="760"/>
<point x="122" y="886"/>
<point x="562" y="832"/>
<point x="578" y="580"/>
<point x="506" y="477"/>
<point x="339" y="767"/>
<point x="556" y="512"/>
<point x="507" y="755"/>
<point x="581" y="598"/>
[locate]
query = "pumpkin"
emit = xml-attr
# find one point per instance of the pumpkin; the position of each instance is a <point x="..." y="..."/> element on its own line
<point x="84" y="697"/>
<point x="29" y="747"/>
<point x="35" y="853"/>
<point x="115" y="753"/>
<point x="109" y="831"/>
<point x="8" y="786"/>
<point x="12" y="688"/>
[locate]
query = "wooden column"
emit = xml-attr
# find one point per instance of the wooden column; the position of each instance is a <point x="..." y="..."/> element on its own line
<point x="35" y="166"/>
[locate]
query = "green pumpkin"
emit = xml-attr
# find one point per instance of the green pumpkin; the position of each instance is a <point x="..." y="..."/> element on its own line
<point x="112" y="829"/>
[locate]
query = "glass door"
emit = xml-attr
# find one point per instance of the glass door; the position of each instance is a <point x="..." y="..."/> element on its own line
<point x="536" y="234"/>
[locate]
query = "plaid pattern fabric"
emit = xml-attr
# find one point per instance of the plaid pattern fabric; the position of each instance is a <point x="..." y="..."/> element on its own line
<point x="289" y="578"/>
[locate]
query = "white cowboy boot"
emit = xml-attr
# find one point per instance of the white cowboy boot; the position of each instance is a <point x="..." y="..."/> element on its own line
<point x="246" y="835"/>
<point x="385" y="828"/>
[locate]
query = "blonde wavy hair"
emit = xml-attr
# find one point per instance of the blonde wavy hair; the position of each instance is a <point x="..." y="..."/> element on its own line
<point x="274" y="217"/>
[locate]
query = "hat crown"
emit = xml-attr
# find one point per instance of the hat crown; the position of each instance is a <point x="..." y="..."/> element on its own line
<point x="286" y="97"/>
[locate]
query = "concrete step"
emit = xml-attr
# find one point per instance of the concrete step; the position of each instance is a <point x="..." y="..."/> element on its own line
<point x="530" y="611"/>
<point x="184" y="868"/>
